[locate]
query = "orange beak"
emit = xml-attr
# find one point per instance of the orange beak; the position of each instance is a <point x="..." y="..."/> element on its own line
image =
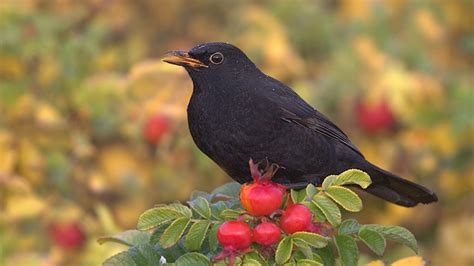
<point x="182" y="58"/>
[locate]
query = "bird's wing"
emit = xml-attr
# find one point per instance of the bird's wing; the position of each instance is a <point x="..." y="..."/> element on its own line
<point x="296" y="110"/>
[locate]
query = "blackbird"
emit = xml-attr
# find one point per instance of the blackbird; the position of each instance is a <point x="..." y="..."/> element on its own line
<point x="237" y="112"/>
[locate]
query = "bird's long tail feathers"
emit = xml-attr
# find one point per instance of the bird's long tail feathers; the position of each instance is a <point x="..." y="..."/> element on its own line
<point x="396" y="189"/>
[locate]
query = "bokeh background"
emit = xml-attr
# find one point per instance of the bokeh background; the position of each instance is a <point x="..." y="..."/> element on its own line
<point x="93" y="126"/>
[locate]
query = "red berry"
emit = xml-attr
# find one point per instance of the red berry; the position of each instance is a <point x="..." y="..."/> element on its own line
<point x="235" y="235"/>
<point x="261" y="199"/>
<point x="67" y="235"/>
<point x="296" y="218"/>
<point x="374" y="118"/>
<point x="266" y="234"/>
<point x="155" y="128"/>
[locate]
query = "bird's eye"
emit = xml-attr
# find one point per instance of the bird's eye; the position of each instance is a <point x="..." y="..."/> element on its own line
<point x="216" y="58"/>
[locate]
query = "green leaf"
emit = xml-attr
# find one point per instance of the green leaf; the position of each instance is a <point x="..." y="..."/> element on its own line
<point x="193" y="259"/>
<point x="353" y="176"/>
<point x="327" y="182"/>
<point x="230" y="190"/>
<point x="156" y="217"/>
<point x="312" y="239"/>
<point x="216" y="209"/>
<point x="231" y="214"/>
<point x="253" y="258"/>
<point x="309" y="262"/>
<point x="395" y="233"/>
<point x="144" y="254"/>
<point x="298" y="196"/>
<point x="173" y="233"/>
<point x="212" y="237"/>
<point x="347" y="248"/>
<point x="120" y="259"/>
<point x="172" y="253"/>
<point x="318" y="214"/>
<point x="179" y="207"/>
<point x="201" y="206"/>
<point x="327" y="255"/>
<point x="197" y="193"/>
<point x="311" y="190"/>
<point x="283" y="251"/>
<point x="374" y="240"/>
<point x="349" y="226"/>
<point x="329" y="208"/>
<point x="303" y="247"/>
<point x="345" y="197"/>
<point x="128" y="238"/>
<point x="196" y="234"/>
<point x="252" y="262"/>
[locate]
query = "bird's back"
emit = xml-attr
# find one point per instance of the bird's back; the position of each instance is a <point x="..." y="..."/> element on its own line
<point x="251" y="124"/>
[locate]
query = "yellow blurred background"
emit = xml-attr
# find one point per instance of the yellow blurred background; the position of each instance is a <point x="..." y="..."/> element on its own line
<point x="93" y="126"/>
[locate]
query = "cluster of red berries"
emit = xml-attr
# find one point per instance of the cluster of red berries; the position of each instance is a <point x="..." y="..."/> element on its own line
<point x="263" y="199"/>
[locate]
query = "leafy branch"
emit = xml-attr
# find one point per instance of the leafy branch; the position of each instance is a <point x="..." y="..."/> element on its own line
<point x="178" y="234"/>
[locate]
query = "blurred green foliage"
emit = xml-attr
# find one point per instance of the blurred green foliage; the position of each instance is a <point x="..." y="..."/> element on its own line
<point x="78" y="80"/>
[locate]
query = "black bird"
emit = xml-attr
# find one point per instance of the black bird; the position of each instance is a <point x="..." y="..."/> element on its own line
<point x="237" y="112"/>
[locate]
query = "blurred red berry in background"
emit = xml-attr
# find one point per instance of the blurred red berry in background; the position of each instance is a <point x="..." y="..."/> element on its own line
<point x="155" y="128"/>
<point x="375" y="118"/>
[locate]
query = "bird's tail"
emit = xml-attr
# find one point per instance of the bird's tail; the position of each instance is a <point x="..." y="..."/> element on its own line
<point x="397" y="190"/>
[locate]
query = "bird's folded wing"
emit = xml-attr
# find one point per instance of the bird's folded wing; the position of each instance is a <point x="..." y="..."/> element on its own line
<point x="321" y="125"/>
<point x="296" y="110"/>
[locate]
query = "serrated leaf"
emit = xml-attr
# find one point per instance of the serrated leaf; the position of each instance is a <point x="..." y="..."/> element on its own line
<point x="120" y="259"/>
<point x="173" y="233"/>
<point x="374" y="240"/>
<point x="144" y="255"/>
<point x="309" y="262"/>
<point x="128" y="238"/>
<point x="352" y="176"/>
<point x="395" y="233"/>
<point x="201" y="206"/>
<point x="172" y="253"/>
<point x="230" y="190"/>
<point x="347" y="248"/>
<point x="328" y="208"/>
<point x="345" y="197"/>
<point x="193" y="259"/>
<point x="231" y="214"/>
<point x="251" y="257"/>
<point x="327" y="182"/>
<point x="196" y="234"/>
<point x="298" y="196"/>
<point x="318" y="214"/>
<point x="327" y="255"/>
<point x="314" y="240"/>
<point x="197" y="193"/>
<point x="349" y="226"/>
<point x="283" y="251"/>
<point x="156" y="217"/>
<point x="252" y="262"/>
<point x="311" y="190"/>
<point x="303" y="247"/>
<point x="179" y="207"/>
<point x="216" y="209"/>
<point x="212" y="237"/>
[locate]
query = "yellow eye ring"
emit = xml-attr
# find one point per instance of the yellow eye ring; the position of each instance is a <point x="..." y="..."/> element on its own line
<point x="216" y="58"/>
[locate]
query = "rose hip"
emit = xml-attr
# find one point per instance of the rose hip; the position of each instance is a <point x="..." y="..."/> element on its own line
<point x="296" y="218"/>
<point x="266" y="234"/>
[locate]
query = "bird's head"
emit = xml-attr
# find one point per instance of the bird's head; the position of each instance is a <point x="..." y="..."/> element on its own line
<point x="216" y="61"/>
